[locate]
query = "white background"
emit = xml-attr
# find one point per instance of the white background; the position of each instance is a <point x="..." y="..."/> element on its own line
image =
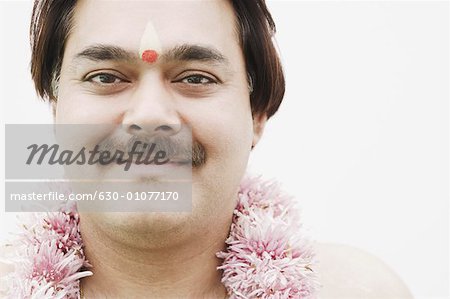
<point x="362" y="137"/>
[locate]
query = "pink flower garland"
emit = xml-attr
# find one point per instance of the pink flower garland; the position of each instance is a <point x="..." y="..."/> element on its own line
<point x="49" y="258"/>
<point x="266" y="257"/>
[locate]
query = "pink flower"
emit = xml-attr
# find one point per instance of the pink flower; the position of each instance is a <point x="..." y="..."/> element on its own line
<point x="50" y="257"/>
<point x="266" y="257"/>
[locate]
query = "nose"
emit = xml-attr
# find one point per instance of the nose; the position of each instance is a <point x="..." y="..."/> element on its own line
<point x="152" y="110"/>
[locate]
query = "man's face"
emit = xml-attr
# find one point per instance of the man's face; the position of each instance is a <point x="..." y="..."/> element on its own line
<point x="204" y="87"/>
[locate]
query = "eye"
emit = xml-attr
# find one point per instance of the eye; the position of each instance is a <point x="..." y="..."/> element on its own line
<point x="106" y="82"/>
<point x="196" y="83"/>
<point x="104" y="78"/>
<point x="197" y="79"/>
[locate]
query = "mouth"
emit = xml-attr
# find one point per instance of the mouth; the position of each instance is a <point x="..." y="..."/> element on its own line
<point x="173" y="167"/>
<point x="180" y="162"/>
<point x="152" y="162"/>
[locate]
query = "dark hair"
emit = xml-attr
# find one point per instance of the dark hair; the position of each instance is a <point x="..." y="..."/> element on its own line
<point x="51" y="25"/>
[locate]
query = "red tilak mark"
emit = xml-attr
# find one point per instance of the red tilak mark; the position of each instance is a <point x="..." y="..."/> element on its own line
<point x="149" y="56"/>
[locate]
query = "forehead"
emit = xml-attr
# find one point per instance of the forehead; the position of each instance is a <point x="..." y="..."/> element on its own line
<point x="122" y="23"/>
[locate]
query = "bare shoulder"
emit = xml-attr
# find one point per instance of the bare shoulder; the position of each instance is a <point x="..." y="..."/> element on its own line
<point x="348" y="272"/>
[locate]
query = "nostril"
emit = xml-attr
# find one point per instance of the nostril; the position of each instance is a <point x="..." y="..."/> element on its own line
<point x="164" y="128"/>
<point x="151" y="130"/>
<point x="134" y="128"/>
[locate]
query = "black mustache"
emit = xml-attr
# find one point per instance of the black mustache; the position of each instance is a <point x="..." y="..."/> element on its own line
<point x="173" y="147"/>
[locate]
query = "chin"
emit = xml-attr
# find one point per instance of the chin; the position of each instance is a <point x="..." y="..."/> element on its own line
<point x="139" y="228"/>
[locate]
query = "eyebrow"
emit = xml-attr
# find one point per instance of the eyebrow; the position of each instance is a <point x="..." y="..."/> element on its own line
<point x="188" y="52"/>
<point x="104" y="53"/>
<point x="184" y="52"/>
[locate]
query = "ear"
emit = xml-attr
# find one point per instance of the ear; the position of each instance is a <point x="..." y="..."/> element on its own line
<point x="259" y="122"/>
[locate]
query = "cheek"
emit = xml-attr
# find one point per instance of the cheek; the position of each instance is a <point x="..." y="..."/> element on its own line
<point x="226" y="135"/>
<point x="225" y="131"/>
<point x="74" y="107"/>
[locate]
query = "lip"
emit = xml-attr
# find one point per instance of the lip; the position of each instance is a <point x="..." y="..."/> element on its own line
<point x="177" y="162"/>
<point x="173" y="169"/>
<point x="168" y="164"/>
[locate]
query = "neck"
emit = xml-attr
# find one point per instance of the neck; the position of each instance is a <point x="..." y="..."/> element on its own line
<point x="183" y="270"/>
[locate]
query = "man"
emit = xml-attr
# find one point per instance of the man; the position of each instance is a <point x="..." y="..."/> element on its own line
<point x="210" y="65"/>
